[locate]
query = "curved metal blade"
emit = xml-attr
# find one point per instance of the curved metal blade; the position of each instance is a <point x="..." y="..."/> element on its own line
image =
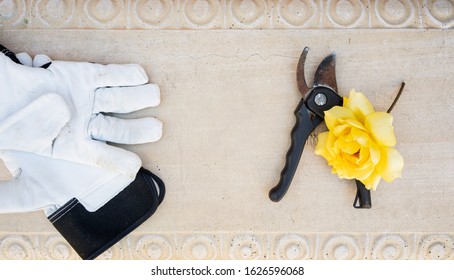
<point x="326" y="73"/>
<point x="300" y="77"/>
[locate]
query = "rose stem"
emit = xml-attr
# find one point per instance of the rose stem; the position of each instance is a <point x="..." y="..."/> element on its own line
<point x="397" y="97"/>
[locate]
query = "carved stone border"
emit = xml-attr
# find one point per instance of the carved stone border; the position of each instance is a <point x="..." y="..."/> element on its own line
<point x="225" y="14"/>
<point x="239" y="246"/>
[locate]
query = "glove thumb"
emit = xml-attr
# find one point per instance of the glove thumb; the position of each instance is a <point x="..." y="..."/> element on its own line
<point x="34" y="127"/>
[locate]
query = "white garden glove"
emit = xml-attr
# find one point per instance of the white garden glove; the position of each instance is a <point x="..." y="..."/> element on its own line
<point x="49" y="180"/>
<point x="89" y="90"/>
<point x="47" y="184"/>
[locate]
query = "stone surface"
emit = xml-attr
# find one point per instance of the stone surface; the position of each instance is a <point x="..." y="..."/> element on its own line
<point x="227" y="105"/>
<point x="226" y="14"/>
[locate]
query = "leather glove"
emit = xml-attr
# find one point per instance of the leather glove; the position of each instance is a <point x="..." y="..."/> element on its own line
<point x="92" y="206"/>
<point x="89" y="90"/>
<point x="82" y="96"/>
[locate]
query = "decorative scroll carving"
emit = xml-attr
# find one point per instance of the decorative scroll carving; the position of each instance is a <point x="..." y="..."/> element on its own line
<point x="225" y="14"/>
<point x="238" y="246"/>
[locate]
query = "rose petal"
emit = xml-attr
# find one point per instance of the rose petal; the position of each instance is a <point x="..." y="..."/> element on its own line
<point x="341" y="129"/>
<point x="375" y="154"/>
<point x="351" y="158"/>
<point x="333" y="115"/>
<point x="390" y="165"/>
<point x="344" y="100"/>
<point x="350" y="147"/>
<point x="330" y="144"/>
<point x="364" y="155"/>
<point x="353" y="122"/>
<point x="372" y="181"/>
<point x="321" y="147"/>
<point x="381" y="129"/>
<point x="360" y="136"/>
<point x="345" y="167"/>
<point x="359" y="105"/>
<point x="365" y="171"/>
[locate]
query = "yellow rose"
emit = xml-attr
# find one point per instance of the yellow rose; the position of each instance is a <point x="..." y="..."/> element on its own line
<point x="359" y="142"/>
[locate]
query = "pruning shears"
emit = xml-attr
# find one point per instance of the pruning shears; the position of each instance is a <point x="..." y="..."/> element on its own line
<point x="309" y="113"/>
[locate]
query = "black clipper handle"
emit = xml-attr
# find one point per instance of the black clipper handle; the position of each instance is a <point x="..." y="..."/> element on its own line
<point x="362" y="199"/>
<point x="301" y="130"/>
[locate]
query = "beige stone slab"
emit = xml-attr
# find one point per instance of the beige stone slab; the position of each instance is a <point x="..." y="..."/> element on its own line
<point x="227" y="106"/>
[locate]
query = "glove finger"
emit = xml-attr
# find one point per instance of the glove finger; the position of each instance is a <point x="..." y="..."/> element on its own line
<point x="15" y="196"/>
<point x="112" y="75"/>
<point x="126" y="99"/>
<point x="25" y="193"/>
<point x="40" y="60"/>
<point x="9" y="168"/>
<point x="25" y="59"/>
<point x="115" y="159"/>
<point x="131" y="131"/>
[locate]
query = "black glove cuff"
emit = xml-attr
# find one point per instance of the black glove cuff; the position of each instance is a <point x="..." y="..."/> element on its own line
<point x="92" y="233"/>
<point x="9" y="54"/>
